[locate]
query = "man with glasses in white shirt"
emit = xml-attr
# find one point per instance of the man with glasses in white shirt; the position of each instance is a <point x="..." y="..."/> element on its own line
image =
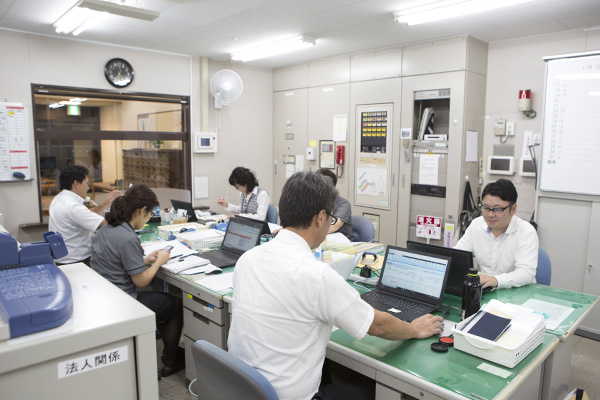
<point x="505" y="246"/>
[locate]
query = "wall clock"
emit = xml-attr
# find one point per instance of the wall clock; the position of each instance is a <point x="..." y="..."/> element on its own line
<point x="118" y="72"/>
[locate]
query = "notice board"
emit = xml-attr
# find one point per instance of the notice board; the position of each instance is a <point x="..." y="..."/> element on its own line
<point x="14" y="143"/>
<point x="571" y="136"/>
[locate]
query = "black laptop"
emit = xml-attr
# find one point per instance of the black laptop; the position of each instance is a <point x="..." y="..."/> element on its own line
<point x="242" y="234"/>
<point x="184" y="205"/>
<point x="462" y="260"/>
<point x="265" y="225"/>
<point x="411" y="283"/>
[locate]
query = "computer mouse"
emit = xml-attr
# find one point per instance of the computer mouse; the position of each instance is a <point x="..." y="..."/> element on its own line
<point x="214" y="272"/>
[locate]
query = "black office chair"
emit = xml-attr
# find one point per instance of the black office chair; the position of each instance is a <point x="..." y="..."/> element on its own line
<point x="223" y="376"/>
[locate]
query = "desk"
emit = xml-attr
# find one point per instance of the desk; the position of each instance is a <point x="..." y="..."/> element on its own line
<point x="104" y="318"/>
<point x="411" y="368"/>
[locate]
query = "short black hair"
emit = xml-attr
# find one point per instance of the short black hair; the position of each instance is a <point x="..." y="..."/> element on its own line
<point x="243" y="176"/>
<point x="71" y="174"/>
<point x="303" y="196"/>
<point x="328" y="173"/>
<point x="123" y="207"/>
<point x="502" y="188"/>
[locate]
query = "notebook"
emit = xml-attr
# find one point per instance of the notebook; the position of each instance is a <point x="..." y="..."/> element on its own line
<point x="462" y="260"/>
<point x="411" y="283"/>
<point x="242" y="234"/>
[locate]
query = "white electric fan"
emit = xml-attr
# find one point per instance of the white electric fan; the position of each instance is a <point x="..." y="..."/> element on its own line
<point x="226" y="86"/>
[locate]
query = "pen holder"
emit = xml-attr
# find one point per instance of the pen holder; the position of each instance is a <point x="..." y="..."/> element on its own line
<point x="166" y="218"/>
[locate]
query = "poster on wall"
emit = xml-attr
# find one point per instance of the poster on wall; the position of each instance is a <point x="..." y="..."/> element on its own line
<point x="14" y="143"/>
<point x="371" y="181"/>
<point x="429" y="227"/>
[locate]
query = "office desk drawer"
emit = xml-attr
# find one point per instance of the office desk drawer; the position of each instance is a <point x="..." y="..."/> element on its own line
<point x="198" y="327"/>
<point x="205" y="308"/>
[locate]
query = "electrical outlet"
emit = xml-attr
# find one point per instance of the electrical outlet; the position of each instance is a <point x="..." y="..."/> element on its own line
<point x="510" y="129"/>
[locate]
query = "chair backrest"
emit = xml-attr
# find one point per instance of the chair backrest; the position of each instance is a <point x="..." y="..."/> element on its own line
<point x="543" y="274"/>
<point x="272" y="214"/>
<point x="223" y="376"/>
<point x="363" y="230"/>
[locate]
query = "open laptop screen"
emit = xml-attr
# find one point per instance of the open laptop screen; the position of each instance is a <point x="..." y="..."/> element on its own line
<point x="242" y="235"/>
<point x="184" y="205"/>
<point x="409" y="272"/>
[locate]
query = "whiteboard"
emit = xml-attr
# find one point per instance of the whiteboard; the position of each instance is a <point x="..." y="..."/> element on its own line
<point x="571" y="138"/>
<point x="14" y="142"/>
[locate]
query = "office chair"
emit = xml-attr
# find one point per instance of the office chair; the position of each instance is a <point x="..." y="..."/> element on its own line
<point x="272" y="214"/>
<point x="362" y="228"/>
<point x="543" y="273"/>
<point x="223" y="376"/>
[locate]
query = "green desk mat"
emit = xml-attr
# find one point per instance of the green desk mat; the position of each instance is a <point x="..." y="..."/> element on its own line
<point x="454" y="370"/>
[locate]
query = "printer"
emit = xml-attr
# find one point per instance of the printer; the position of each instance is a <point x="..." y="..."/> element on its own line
<point x="35" y="294"/>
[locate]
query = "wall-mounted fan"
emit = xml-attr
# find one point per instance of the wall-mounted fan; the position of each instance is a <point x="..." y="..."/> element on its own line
<point x="226" y="86"/>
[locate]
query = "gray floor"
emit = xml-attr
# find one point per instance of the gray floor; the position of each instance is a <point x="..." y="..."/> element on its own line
<point x="585" y="372"/>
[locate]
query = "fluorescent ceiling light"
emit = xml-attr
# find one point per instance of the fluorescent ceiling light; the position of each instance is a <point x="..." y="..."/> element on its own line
<point x="86" y="13"/>
<point x="274" y="48"/>
<point x="449" y="9"/>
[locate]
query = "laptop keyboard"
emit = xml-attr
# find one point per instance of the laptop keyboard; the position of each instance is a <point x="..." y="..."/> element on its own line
<point x="224" y="257"/>
<point x="397" y="302"/>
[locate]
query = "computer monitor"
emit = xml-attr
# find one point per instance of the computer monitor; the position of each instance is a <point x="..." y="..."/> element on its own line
<point x="48" y="163"/>
<point x="184" y="205"/>
<point x="265" y="225"/>
<point x="461" y="261"/>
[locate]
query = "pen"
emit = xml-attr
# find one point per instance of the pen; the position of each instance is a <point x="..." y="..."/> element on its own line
<point x="182" y="257"/>
<point x="478" y="396"/>
<point x="179" y="255"/>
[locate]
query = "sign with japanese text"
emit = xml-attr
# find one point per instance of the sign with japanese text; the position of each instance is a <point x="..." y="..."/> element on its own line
<point x="91" y="362"/>
<point x="429" y="227"/>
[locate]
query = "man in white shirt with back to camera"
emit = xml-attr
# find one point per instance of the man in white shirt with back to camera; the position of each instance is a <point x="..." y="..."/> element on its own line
<point x="285" y="302"/>
<point x="505" y="246"/>
<point x="69" y="216"/>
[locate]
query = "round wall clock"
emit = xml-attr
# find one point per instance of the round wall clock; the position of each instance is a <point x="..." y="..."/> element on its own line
<point x="118" y="72"/>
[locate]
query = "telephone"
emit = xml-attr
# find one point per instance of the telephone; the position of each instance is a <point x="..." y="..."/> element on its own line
<point x="339" y="154"/>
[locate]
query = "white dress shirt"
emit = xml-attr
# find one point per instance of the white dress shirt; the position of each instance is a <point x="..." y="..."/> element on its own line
<point x="285" y="303"/>
<point x="76" y="223"/>
<point x="263" y="200"/>
<point x="511" y="257"/>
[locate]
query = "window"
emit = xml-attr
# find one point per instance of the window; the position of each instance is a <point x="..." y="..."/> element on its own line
<point x="122" y="139"/>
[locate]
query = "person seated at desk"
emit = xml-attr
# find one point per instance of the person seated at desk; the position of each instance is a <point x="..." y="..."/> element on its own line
<point x="253" y="199"/>
<point x="342" y="211"/>
<point x="119" y="257"/>
<point x="505" y="246"/>
<point x="70" y="217"/>
<point x="285" y="302"/>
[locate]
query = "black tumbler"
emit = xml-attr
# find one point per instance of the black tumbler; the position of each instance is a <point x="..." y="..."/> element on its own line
<point x="471" y="300"/>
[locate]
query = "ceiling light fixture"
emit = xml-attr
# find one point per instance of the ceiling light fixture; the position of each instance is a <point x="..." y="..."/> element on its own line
<point x="274" y="48"/>
<point x="86" y="13"/>
<point x="449" y="9"/>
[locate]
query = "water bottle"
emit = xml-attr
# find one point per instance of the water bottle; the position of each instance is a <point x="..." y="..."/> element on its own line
<point x="319" y="253"/>
<point x="471" y="300"/>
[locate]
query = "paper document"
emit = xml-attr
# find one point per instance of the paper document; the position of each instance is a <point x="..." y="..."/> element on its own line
<point x="337" y="238"/>
<point x="554" y="314"/>
<point x="222" y="283"/>
<point x="179" y="249"/>
<point x="175" y="266"/>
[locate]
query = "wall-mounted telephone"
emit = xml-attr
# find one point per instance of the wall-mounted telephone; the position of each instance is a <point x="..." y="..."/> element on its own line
<point x="340" y="153"/>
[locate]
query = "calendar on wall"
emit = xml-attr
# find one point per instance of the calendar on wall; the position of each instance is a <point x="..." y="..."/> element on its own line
<point x="14" y="143"/>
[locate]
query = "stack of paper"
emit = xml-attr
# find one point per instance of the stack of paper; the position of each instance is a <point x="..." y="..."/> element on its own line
<point x="175" y="266"/>
<point x="524" y="323"/>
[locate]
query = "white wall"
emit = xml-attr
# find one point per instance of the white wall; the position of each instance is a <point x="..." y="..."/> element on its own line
<point x="30" y="59"/>
<point x="245" y="135"/>
<point x="518" y="64"/>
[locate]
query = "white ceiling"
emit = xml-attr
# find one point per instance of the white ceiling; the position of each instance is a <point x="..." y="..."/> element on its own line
<point x="215" y="28"/>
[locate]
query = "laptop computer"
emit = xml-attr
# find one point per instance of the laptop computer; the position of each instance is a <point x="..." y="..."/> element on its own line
<point x="462" y="260"/>
<point x="187" y="206"/>
<point x="241" y="235"/>
<point x="411" y="283"/>
<point x="265" y="225"/>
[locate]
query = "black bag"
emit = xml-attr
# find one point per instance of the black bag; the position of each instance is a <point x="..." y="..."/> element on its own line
<point x="470" y="211"/>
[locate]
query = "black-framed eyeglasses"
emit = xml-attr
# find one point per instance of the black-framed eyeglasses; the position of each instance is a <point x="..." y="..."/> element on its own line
<point x="496" y="210"/>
